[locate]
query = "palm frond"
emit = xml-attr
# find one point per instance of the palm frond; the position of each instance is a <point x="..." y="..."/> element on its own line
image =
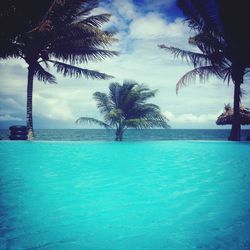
<point x="208" y="12"/>
<point x="208" y="43"/>
<point x="89" y="120"/>
<point x="194" y="20"/>
<point x="97" y="20"/>
<point x="114" y="93"/>
<point x="197" y="59"/>
<point x="69" y="70"/>
<point x="147" y="111"/>
<point x="103" y="102"/>
<point x="145" y="123"/>
<point x="200" y="14"/>
<point x="88" y="6"/>
<point x="76" y="40"/>
<point x="43" y="75"/>
<point x="77" y="55"/>
<point x="114" y="116"/>
<point x="203" y="73"/>
<point x="8" y="49"/>
<point x="143" y="93"/>
<point x="79" y="30"/>
<point x="228" y="75"/>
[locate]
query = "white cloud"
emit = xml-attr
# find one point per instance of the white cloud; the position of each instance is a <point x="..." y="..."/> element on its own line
<point x="7" y="117"/>
<point x="153" y="26"/>
<point x="191" y="118"/>
<point x="11" y="103"/>
<point x="53" y="107"/>
<point x="125" y="8"/>
<point x="159" y="3"/>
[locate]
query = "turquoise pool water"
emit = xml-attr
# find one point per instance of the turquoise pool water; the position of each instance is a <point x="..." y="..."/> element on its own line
<point x="130" y="195"/>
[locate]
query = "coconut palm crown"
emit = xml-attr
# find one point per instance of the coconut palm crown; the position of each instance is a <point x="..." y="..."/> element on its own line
<point x="125" y="107"/>
<point x="61" y="34"/>
<point x="215" y="56"/>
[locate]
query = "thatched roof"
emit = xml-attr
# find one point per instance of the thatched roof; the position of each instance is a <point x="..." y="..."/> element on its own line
<point x="226" y="117"/>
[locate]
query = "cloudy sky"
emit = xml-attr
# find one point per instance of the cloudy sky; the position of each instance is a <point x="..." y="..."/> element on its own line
<point x="141" y="26"/>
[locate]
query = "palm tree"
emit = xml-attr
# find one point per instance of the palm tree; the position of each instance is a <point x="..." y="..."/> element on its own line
<point x="236" y="35"/>
<point x="215" y="56"/>
<point x="62" y="34"/>
<point x="126" y="107"/>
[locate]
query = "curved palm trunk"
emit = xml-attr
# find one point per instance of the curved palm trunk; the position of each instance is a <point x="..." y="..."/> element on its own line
<point x="29" y="118"/>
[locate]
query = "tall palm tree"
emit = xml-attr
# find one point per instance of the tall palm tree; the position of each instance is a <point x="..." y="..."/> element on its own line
<point x="235" y="31"/>
<point x="62" y="34"/>
<point x="126" y="107"/>
<point x="215" y="56"/>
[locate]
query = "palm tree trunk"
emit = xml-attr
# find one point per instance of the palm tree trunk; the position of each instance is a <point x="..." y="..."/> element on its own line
<point x="235" y="131"/>
<point x="29" y="118"/>
<point x="238" y="73"/>
<point x="119" y="133"/>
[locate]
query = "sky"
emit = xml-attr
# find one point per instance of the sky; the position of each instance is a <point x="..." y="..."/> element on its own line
<point x="141" y="25"/>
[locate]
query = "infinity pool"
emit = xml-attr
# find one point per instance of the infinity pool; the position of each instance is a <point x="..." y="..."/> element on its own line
<point x="131" y="195"/>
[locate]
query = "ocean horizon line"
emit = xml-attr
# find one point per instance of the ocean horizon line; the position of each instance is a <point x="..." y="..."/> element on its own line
<point x="93" y="134"/>
<point x="132" y="129"/>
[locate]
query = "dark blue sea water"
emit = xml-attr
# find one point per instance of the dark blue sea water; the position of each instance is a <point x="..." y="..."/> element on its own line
<point x="130" y="135"/>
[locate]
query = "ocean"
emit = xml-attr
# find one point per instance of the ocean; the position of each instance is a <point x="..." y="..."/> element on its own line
<point x="130" y="135"/>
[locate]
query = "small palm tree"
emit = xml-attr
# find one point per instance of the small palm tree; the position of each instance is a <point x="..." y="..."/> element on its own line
<point x="62" y="34"/>
<point x="216" y="56"/>
<point x="126" y="107"/>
